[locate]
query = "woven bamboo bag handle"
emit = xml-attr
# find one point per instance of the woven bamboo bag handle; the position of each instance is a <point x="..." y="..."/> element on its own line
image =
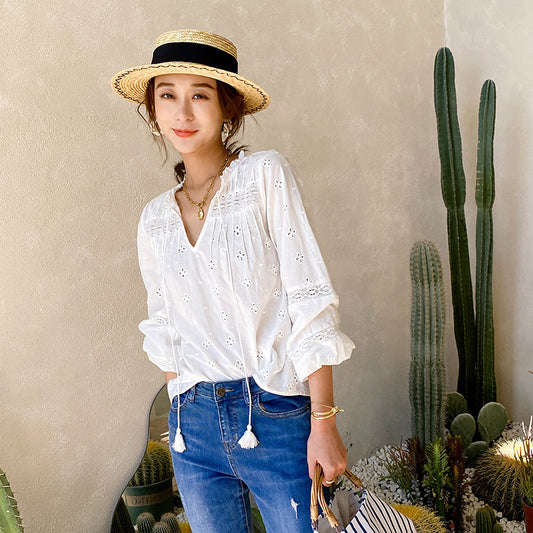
<point x="317" y="496"/>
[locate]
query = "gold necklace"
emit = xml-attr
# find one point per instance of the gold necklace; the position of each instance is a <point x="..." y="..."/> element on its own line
<point x="200" y="205"/>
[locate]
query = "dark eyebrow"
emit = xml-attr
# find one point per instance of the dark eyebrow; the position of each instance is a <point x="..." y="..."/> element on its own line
<point x="200" y="85"/>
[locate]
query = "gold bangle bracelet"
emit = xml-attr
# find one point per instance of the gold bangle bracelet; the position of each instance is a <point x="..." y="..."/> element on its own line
<point x="322" y="415"/>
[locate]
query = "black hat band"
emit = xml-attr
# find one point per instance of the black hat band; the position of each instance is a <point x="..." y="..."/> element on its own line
<point x="195" y="53"/>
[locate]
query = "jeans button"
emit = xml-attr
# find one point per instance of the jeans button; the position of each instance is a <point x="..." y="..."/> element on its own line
<point x="221" y="391"/>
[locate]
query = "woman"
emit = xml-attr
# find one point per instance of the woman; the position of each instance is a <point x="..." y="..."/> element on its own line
<point x="242" y="316"/>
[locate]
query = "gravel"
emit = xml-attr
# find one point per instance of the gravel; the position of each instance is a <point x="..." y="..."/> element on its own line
<point x="371" y="470"/>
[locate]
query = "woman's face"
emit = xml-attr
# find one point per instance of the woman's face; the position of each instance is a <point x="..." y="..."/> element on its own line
<point x="188" y="112"/>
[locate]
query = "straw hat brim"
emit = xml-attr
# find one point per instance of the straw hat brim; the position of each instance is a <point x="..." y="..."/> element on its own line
<point x="131" y="83"/>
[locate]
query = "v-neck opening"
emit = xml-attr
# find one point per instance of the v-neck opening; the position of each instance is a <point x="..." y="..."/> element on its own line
<point x="223" y="183"/>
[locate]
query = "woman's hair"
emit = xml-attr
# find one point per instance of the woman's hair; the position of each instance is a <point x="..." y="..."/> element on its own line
<point x="232" y="105"/>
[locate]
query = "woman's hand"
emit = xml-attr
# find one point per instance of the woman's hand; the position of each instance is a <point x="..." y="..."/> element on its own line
<point x="326" y="448"/>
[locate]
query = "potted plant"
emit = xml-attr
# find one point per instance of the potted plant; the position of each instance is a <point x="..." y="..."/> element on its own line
<point x="524" y="457"/>
<point x="150" y="489"/>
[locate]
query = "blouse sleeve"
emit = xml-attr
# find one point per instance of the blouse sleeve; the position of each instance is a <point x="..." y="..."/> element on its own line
<point x="315" y="338"/>
<point x="157" y="330"/>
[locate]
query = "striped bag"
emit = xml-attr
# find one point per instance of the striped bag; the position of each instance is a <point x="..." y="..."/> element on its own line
<point x="358" y="511"/>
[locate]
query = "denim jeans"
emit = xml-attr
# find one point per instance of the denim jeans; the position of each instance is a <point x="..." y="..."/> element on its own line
<point x="214" y="474"/>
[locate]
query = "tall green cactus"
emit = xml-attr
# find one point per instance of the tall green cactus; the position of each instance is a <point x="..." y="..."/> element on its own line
<point x="474" y="335"/>
<point x="10" y="521"/>
<point x="454" y="193"/>
<point x="486" y="392"/>
<point x="427" y="372"/>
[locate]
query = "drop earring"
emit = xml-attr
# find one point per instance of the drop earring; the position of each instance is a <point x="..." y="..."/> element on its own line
<point x="154" y="129"/>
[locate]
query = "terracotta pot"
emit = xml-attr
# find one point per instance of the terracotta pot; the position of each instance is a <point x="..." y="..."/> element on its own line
<point x="528" y="516"/>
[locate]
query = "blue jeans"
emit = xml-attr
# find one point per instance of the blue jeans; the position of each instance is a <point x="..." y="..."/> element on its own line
<point x="214" y="474"/>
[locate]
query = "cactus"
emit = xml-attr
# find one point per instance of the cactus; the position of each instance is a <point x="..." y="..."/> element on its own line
<point x="486" y="389"/>
<point x="491" y="422"/>
<point x="161" y="527"/>
<point x="453" y="186"/>
<point x="464" y="426"/>
<point x="425" y="521"/>
<point x="145" y="523"/>
<point x="427" y="373"/>
<point x="485" y="519"/>
<point x="121" y="519"/>
<point x="474" y="336"/>
<point x="496" y="479"/>
<point x="455" y="405"/>
<point x="156" y="465"/>
<point x="172" y="522"/>
<point x="10" y="521"/>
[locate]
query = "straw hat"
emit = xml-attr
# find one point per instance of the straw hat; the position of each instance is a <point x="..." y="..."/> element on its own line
<point x="191" y="52"/>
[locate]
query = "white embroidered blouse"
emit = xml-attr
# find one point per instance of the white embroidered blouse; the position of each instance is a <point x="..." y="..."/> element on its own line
<point x="252" y="297"/>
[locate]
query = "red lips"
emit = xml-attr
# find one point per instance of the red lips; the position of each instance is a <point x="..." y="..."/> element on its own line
<point x="184" y="133"/>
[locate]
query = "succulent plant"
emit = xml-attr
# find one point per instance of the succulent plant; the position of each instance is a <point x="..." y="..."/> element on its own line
<point x="121" y="519"/>
<point x="496" y="479"/>
<point x="486" y="521"/>
<point x="10" y="521"/>
<point x="145" y="523"/>
<point x="425" y="521"/>
<point x="491" y="422"/>
<point x="156" y="465"/>
<point x="161" y="527"/>
<point x="172" y="522"/>
<point x="427" y="374"/>
<point x="455" y="405"/>
<point x="474" y="334"/>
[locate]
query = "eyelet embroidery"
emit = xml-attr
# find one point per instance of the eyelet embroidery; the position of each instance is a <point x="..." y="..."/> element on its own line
<point x="181" y="249"/>
<point x="277" y="293"/>
<point x="182" y="272"/>
<point x="278" y="184"/>
<point x="224" y="315"/>
<point x="230" y="341"/>
<point x="312" y="291"/>
<point x="186" y="298"/>
<point x="282" y="313"/>
<point x="291" y="233"/>
<point x="241" y="255"/>
<point x="206" y="344"/>
<point x="236" y="231"/>
<point x="299" y="257"/>
<point x="246" y="282"/>
<point x="158" y="292"/>
<point x="275" y="270"/>
<point x="217" y="291"/>
<point x="211" y="265"/>
<point x="254" y="308"/>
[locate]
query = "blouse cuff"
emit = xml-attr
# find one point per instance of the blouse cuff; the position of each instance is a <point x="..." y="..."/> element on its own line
<point x="328" y="346"/>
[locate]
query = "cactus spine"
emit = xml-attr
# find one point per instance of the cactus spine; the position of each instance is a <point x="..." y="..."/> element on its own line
<point x="486" y="521"/>
<point x="427" y="372"/>
<point x="454" y="193"/>
<point x="486" y="392"/>
<point x="156" y="465"/>
<point x="161" y="527"/>
<point x="10" y="521"/>
<point x="171" y="521"/>
<point x="145" y="523"/>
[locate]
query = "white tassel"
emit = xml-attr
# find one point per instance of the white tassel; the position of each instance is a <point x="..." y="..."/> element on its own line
<point x="248" y="440"/>
<point x="179" y="443"/>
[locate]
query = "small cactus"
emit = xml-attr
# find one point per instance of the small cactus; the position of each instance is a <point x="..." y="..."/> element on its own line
<point x="161" y="527"/>
<point x="156" y="465"/>
<point x="10" y="521"/>
<point x="121" y="519"/>
<point x="491" y="421"/>
<point x="172" y="522"/>
<point x="455" y="405"/>
<point x="145" y="523"/>
<point x="464" y="426"/>
<point x="496" y="479"/>
<point x="485" y="519"/>
<point x="425" y="521"/>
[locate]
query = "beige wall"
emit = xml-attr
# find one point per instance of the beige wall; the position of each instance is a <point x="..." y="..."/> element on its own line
<point x="351" y="84"/>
